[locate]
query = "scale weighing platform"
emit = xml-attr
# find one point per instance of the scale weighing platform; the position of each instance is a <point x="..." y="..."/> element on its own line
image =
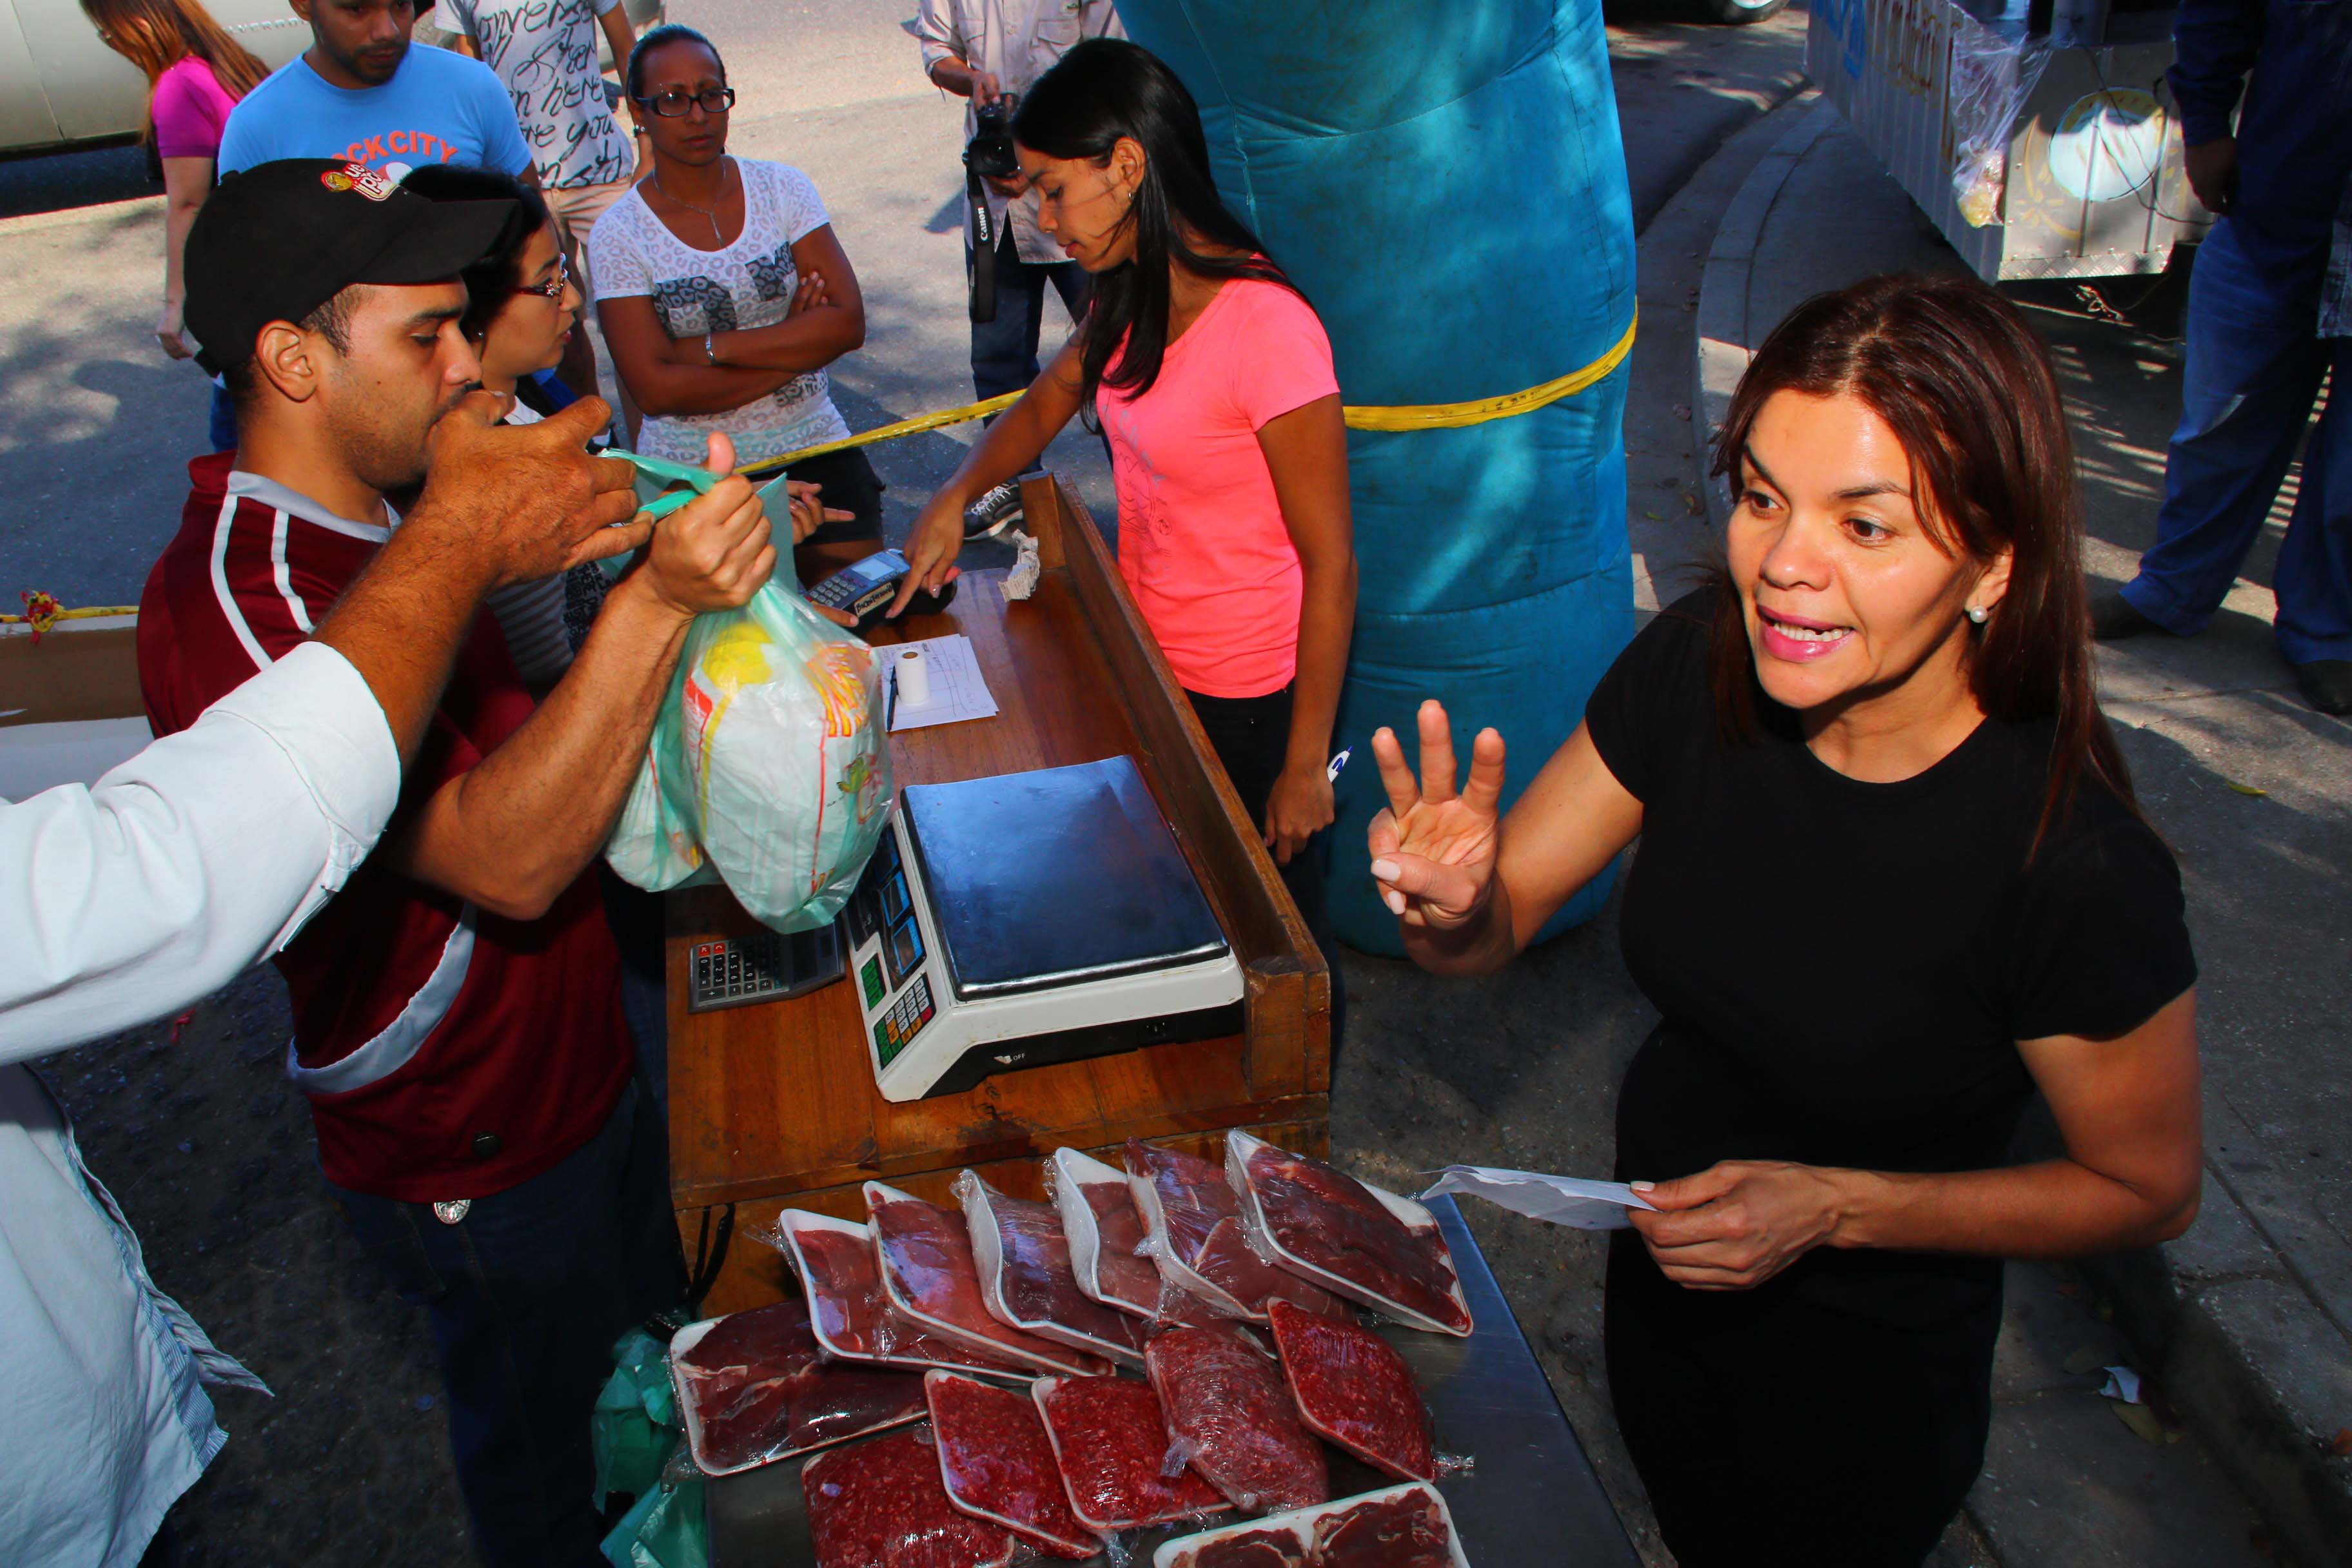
<point x="1027" y="919"/>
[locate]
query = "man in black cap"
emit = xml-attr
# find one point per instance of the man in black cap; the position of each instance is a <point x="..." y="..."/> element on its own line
<point x="457" y="1019"/>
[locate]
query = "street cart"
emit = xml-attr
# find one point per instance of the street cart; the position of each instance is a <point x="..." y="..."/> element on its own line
<point x="778" y="1093"/>
<point x="2040" y="145"/>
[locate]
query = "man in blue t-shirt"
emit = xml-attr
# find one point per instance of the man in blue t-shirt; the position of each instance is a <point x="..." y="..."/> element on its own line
<point x="361" y="93"/>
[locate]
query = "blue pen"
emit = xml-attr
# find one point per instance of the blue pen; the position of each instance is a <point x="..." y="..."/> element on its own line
<point x="1338" y="763"/>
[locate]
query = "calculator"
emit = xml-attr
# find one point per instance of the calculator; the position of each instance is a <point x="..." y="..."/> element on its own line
<point x="865" y="589"/>
<point x="763" y="966"/>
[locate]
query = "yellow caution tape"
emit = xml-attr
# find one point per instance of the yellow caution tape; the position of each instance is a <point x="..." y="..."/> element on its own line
<point x="915" y="426"/>
<point x="1452" y="416"/>
<point x="1405" y="416"/>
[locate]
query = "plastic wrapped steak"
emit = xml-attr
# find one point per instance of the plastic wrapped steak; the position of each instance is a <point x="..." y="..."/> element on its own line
<point x="852" y="1316"/>
<point x="1352" y="1387"/>
<point x="760" y="1392"/>
<point x="1234" y="1420"/>
<point x="1250" y="1549"/>
<point x="1111" y="1439"/>
<point x="1121" y="1271"/>
<point x="1326" y="1217"/>
<point x="928" y="1272"/>
<point x="1407" y="1531"/>
<point x="998" y="1463"/>
<point x="882" y="1505"/>
<point x="1204" y="1234"/>
<point x="1035" y="1284"/>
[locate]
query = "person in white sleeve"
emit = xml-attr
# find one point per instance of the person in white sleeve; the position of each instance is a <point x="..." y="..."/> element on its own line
<point x="128" y="900"/>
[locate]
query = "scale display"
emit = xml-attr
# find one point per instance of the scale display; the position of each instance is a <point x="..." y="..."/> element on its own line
<point x="1032" y="918"/>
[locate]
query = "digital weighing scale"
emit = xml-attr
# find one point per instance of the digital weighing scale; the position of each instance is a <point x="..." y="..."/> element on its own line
<point x="1031" y="918"/>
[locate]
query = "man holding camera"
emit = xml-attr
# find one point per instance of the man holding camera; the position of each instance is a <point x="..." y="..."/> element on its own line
<point x="990" y="51"/>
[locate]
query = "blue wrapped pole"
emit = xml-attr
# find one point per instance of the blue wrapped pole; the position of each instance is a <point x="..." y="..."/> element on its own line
<point x="1447" y="185"/>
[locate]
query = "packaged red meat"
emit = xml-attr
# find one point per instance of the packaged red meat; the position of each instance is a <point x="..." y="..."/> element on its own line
<point x="998" y="1465"/>
<point x="881" y="1504"/>
<point x="852" y="1318"/>
<point x="1107" y="1236"/>
<point x="929" y="1274"/>
<point x="1369" y="1246"/>
<point x="1354" y="1389"/>
<point x="1192" y="1231"/>
<point x="1110" y="1439"/>
<point x="1398" y="1527"/>
<point x="1026" y="1280"/>
<point x="1407" y="1527"/>
<point x="752" y="1389"/>
<point x="1233" y="1420"/>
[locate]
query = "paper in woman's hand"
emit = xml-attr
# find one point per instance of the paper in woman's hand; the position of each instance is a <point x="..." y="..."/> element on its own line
<point x="1562" y="1200"/>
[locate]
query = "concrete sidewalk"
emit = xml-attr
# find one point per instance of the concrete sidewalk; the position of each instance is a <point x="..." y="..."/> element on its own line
<point x="2247" y="1320"/>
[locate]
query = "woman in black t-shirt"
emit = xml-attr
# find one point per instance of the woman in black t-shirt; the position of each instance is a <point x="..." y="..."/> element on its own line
<point x="1891" y="880"/>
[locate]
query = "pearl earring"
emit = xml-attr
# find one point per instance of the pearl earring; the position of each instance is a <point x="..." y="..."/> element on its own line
<point x="1976" y="614"/>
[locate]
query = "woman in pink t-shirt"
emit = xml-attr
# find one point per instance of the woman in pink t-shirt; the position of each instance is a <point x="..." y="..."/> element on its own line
<point x="195" y="74"/>
<point x="1211" y="379"/>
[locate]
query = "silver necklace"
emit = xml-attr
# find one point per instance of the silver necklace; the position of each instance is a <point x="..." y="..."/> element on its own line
<point x="716" y="236"/>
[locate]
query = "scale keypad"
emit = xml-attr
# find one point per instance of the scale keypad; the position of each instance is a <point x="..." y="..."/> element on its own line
<point x="895" y="1029"/>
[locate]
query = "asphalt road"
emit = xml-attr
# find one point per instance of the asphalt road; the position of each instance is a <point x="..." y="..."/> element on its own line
<point x="210" y="1149"/>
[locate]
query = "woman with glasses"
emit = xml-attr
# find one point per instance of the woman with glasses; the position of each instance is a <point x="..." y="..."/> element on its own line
<point x="721" y="290"/>
<point x="195" y="74"/>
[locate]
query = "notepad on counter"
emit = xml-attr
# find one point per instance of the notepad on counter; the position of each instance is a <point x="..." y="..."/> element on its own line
<point x="957" y="691"/>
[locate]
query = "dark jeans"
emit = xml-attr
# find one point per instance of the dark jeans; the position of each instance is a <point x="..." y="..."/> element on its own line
<point x="1004" y="350"/>
<point x="1778" y="1433"/>
<point x="525" y="1296"/>
<point x="1251" y="735"/>
<point x="849" y="484"/>
<point x="221" y="423"/>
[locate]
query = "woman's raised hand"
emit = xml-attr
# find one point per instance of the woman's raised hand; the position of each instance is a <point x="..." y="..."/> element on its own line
<point x="1434" y="848"/>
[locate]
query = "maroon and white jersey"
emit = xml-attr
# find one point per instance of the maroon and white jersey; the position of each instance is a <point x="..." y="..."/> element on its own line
<point x="447" y="1052"/>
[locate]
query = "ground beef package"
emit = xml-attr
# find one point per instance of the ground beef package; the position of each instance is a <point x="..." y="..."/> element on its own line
<point x="1107" y="1241"/>
<point x="1231" y="1419"/>
<point x="1026" y="1280"/>
<point x="881" y="1504"/>
<point x="1401" y="1527"/>
<point x="1111" y="1439"/>
<point x="849" y="1313"/>
<point x="1354" y="1389"/>
<point x="998" y="1465"/>
<point x="753" y="1389"/>
<point x="929" y="1275"/>
<point x="1369" y="1246"/>
<point x="1194" y="1231"/>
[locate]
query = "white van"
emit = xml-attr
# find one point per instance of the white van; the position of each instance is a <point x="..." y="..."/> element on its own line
<point x="60" y="88"/>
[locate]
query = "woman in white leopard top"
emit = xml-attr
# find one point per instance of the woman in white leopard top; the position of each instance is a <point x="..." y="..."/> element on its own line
<point x="721" y="290"/>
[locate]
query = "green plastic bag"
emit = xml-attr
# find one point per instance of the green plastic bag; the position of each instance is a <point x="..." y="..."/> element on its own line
<point x="767" y="764"/>
<point x="669" y="1528"/>
<point x="634" y="1423"/>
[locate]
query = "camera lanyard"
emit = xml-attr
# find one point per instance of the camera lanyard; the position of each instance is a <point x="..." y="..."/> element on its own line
<point x="984" y="238"/>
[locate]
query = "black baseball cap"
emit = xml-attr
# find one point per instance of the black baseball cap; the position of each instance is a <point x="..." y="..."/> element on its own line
<point x="276" y="241"/>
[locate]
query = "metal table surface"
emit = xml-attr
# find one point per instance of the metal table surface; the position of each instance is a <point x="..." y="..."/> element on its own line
<point x="1531" y="1498"/>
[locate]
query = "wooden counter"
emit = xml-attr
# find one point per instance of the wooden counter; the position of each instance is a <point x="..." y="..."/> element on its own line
<point x="774" y="1105"/>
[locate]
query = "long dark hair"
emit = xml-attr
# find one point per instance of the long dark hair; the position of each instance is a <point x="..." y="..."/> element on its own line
<point x="156" y="35"/>
<point x="1103" y="90"/>
<point x="1955" y="373"/>
<point x="496" y="276"/>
